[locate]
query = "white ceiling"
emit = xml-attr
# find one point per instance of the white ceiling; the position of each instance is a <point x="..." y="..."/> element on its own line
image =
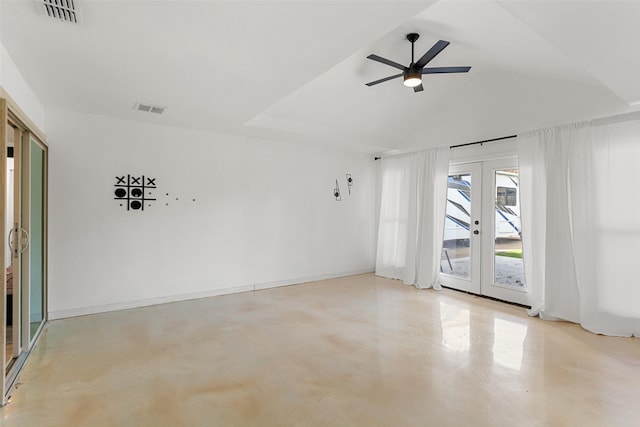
<point x="296" y="70"/>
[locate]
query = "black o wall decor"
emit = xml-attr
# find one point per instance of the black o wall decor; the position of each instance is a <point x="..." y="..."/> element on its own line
<point x="336" y="192"/>
<point x="349" y="182"/>
<point x="134" y="191"/>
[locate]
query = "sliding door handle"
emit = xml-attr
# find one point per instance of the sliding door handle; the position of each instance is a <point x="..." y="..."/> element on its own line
<point x="12" y="246"/>
<point x="24" y="242"/>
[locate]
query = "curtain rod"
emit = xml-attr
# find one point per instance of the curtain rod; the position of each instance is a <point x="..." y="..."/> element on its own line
<point x="482" y="142"/>
<point x="471" y="143"/>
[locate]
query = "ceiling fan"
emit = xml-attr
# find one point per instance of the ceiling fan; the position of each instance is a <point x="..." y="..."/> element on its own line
<point x="413" y="73"/>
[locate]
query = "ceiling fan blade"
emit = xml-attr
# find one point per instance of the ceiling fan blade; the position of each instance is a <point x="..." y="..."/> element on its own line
<point x="386" y="61"/>
<point x="437" y="70"/>
<point x="431" y="53"/>
<point x="384" y="80"/>
<point x="418" y="88"/>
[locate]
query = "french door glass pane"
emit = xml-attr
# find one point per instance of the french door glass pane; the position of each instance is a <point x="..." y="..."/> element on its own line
<point x="508" y="267"/>
<point x="456" y="259"/>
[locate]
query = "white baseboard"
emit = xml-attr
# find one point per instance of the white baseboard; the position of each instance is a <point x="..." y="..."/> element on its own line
<point x="103" y="308"/>
<point x="301" y="280"/>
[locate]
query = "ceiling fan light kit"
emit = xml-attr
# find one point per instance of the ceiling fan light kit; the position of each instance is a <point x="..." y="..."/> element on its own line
<point x="412" y="78"/>
<point x="412" y="75"/>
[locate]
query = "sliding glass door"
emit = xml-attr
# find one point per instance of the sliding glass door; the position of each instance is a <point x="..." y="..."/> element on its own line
<point x="34" y="219"/>
<point x="24" y="266"/>
<point x="11" y="257"/>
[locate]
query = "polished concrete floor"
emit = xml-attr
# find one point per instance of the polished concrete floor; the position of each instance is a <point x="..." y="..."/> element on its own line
<point x="356" y="351"/>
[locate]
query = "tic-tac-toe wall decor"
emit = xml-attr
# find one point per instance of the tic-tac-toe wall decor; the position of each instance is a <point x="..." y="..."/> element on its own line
<point x="349" y="182"/>
<point x="336" y="192"/>
<point x="134" y="191"/>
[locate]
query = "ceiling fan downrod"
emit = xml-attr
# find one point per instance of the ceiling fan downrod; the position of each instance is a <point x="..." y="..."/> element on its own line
<point x="412" y="37"/>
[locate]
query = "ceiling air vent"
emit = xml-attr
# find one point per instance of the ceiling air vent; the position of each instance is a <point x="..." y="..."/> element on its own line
<point x="64" y="10"/>
<point x="148" y="108"/>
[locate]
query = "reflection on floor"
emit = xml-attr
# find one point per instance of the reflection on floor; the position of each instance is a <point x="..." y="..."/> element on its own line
<point x="355" y="351"/>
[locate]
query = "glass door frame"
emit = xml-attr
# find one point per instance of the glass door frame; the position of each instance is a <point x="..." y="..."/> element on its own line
<point x="4" y="123"/>
<point x="26" y="133"/>
<point x="29" y="337"/>
<point x="14" y="240"/>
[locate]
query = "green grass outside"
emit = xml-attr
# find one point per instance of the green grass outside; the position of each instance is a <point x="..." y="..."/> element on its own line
<point x="512" y="253"/>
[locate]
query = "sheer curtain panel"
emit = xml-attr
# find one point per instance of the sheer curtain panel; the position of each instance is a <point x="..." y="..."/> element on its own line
<point x="580" y="203"/>
<point x="605" y="202"/>
<point x="412" y="207"/>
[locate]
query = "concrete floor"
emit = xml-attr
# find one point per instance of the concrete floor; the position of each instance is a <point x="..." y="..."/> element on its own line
<point x="356" y="351"/>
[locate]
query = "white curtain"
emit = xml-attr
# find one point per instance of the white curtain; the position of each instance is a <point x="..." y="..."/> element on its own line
<point x="580" y="197"/>
<point x="412" y="208"/>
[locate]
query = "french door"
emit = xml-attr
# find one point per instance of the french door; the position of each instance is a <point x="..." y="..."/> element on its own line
<point x="482" y="247"/>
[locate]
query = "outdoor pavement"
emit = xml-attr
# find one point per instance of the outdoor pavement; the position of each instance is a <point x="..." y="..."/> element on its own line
<point x="508" y="271"/>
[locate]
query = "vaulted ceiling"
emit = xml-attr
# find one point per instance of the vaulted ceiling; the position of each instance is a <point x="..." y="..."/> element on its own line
<point x="296" y="70"/>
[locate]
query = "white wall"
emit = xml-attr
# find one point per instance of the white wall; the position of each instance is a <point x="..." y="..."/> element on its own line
<point x="16" y="86"/>
<point x="263" y="215"/>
